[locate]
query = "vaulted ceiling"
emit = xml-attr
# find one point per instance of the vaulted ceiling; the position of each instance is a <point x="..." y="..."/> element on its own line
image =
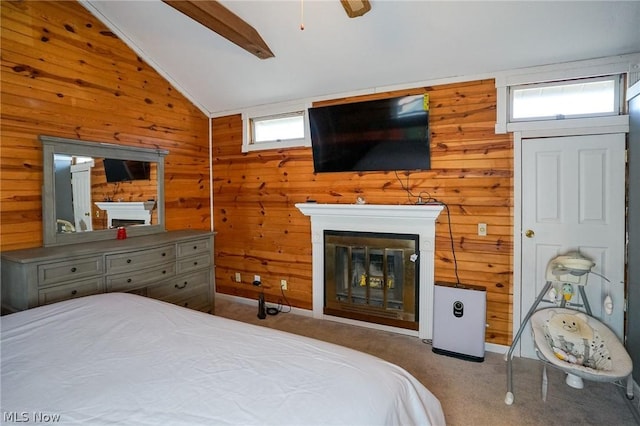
<point x="396" y="43"/>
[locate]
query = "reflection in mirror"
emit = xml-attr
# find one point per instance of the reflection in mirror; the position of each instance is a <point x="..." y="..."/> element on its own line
<point x="84" y="186"/>
<point x="91" y="188"/>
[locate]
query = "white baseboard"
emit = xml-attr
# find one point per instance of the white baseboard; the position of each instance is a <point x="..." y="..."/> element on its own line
<point x="245" y="301"/>
<point x="499" y="349"/>
<point x="489" y="347"/>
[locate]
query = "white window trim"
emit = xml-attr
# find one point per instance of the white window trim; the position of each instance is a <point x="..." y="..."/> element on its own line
<point x="571" y="126"/>
<point x="274" y="110"/>
<point x="566" y="71"/>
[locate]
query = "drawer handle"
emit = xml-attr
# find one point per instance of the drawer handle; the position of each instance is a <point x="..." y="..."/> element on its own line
<point x="195" y="247"/>
<point x="73" y="269"/>
<point x="164" y="254"/>
<point x="128" y="260"/>
<point x="129" y="280"/>
<point x="74" y="292"/>
<point x="183" y="286"/>
<point x="164" y="272"/>
<point x="195" y="263"/>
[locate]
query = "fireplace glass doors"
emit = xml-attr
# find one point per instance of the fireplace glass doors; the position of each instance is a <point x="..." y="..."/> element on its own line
<point x="372" y="277"/>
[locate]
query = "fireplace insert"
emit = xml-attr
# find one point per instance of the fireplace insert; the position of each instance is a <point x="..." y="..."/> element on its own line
<point x="372" y="277"/>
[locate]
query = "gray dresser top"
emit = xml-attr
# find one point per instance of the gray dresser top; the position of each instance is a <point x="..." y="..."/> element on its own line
<point x="113" y="246"/>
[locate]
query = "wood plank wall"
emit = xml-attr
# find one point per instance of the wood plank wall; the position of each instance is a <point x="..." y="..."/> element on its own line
<point x="260" y="232"/>
<point x="65" y="74"/>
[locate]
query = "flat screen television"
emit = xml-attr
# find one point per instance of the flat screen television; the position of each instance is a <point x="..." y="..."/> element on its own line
<point x="126" y="170"/>
<point x="380" y="135"/>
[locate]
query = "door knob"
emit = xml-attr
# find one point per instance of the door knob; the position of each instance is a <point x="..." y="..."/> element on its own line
<point x="529" y="233"/>
<point x="87" y="214"/>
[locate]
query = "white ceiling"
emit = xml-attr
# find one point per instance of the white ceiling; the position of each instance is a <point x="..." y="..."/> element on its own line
<point x="396" y="43"/>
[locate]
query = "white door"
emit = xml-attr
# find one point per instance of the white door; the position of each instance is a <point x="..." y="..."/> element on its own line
<point x="81" y="192"/>
<point x="573" y="198"/>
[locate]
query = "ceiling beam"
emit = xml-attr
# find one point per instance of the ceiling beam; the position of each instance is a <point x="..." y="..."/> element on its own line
<point x="222" y="21"/>
<point x="355" y="8"/>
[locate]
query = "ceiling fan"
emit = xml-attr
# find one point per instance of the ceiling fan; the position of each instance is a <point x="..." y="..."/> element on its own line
<point x="213" y="15"/>
<point x="355" y="8"/>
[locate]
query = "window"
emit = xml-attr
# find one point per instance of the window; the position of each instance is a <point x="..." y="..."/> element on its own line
<point x="597" y="84"/>
<point x="275" y="127"/>
<point x="593" y="97"/>
<point x="278" y="128"/>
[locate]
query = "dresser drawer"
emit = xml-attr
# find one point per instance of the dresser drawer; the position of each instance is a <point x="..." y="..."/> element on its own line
<point x="69" y="270"/>
<point x="193" y="263"/>
<point x="189" y="248"/>
<point x="70" y="291"/>
<point x="198" y="302"/>
<point x="130" y="280"/>
<point x="191" y="291"/>
<point x="135" y="260"/>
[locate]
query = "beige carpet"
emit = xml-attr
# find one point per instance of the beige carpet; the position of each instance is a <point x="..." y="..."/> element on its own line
<point x="470" y="393"/>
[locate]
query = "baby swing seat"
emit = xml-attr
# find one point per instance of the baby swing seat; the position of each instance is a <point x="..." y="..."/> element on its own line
<point x="581" y="346"/>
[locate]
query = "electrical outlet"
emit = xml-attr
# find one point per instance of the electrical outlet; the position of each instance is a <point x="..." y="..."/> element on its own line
<point x="283" y="284"/>
<point x="238" y="277"/>
<point x="482" y="229"/>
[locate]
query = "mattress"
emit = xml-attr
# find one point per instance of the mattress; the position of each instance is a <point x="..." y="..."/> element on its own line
<point x="123" y="359"/>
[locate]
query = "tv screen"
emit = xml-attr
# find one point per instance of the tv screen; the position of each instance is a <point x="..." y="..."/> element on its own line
<point x="126" y="170"/>
<point x="380" y="135"/>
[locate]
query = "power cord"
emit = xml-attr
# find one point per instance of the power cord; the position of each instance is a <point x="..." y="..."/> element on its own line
<point x="270" y="310"/>
<point x="430" y="200"/>
<point x="453" y="249"/>
<point x="275" y="311"/>
<point x="410" y="194"/>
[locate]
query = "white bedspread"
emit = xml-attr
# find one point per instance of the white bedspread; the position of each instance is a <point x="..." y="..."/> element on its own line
<point x="124" y="359"/>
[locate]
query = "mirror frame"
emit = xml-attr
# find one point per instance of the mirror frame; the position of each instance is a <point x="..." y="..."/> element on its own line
<point x="53" y="145"/>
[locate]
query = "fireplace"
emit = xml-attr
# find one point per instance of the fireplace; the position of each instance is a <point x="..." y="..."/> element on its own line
<point x="127" y="213"/>
<point x="385" y="219"/>
<point x="116" y="223"/>
<point x="372" y="277"/>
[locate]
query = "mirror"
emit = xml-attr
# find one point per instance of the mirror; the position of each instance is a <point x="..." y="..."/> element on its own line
<point x="91" y="188"/>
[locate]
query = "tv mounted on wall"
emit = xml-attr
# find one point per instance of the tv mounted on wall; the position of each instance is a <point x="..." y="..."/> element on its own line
<point x="126" y="170"/>
<point x="380" y="135"/>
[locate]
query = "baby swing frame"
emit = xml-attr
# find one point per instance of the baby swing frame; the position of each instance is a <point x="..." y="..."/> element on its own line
<point x="569" y="369"/>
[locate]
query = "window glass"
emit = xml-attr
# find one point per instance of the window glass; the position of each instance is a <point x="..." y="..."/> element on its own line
<point x="567" y="99"/>
<point x="278" y="128"/>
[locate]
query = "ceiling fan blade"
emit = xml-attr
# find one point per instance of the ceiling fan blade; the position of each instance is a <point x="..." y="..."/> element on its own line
<point x="221" y="20"/>
<point x="355" y="8"/>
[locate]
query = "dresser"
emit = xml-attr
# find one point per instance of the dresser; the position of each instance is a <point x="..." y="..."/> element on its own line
<point x="174" y="266"/>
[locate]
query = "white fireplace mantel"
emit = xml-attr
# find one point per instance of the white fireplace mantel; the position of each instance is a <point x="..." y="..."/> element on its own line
<point x="400" y="219"/>
<point x="127" y="210"/>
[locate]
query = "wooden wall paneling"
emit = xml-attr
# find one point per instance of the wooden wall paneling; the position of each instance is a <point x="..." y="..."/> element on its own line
<point x="472" y="171"/>
<point x="63" y="73"/>
<point x="72" y="40"/>
<point x="87" y="76"/>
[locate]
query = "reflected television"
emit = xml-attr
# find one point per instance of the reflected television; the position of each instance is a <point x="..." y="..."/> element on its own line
<point x="126" y="170"/>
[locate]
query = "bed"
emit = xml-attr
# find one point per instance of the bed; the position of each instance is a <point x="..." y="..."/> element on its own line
<point x="118" y="358"/>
